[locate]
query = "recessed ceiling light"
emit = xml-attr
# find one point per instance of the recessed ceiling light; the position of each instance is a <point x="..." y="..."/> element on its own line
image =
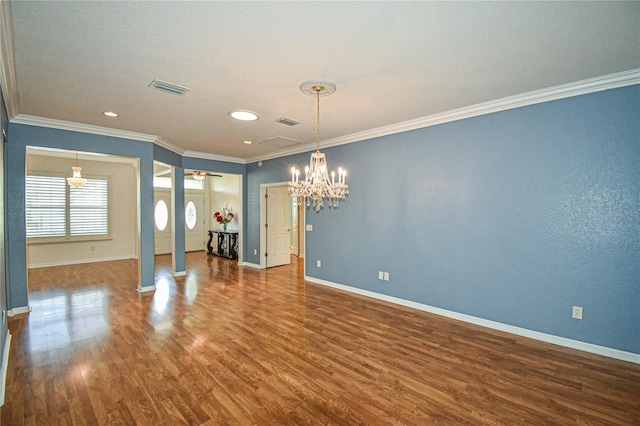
<point x="248" y="142"/>
<point x="110" y="114"/>
<point x="244" y="115"/>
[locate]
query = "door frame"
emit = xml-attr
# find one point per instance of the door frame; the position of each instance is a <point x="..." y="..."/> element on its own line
<point x="263" y="219"/>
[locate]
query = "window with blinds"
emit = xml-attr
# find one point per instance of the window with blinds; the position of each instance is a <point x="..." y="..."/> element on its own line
<point x="54" y="209"/>
<point x="88" y="209"/>
<point x="46" y="206"/>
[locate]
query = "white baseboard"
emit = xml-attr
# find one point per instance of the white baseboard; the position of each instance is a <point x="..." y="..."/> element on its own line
<point x="77" y="262"/>
<point x="19" y="310"/>
<point x="146" y="289"/>
<point x="180" y="274"/>
<point x="548" y="338"/>
<point x="5" y="367"/>
<point x="250" y="265"/>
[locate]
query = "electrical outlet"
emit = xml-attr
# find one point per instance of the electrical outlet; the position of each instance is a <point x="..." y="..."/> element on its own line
<point x="309" y="228"/>
<point x="255" y="252"/>
<point x="577" y="312"/>
<point x="386" y="276"/>
<point x="380" y="275"/>
<point x="319" y="264"/>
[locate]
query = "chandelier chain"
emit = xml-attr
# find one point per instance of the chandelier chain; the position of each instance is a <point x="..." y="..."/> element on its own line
<point x="318" y="89"/>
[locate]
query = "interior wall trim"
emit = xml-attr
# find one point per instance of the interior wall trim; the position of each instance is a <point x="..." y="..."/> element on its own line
<point x="19" y="310"/>
<point x="78" y="261"/>
<point x="536" y="335"/>
<point x="209" y="156"/>
<point x="583" y="87"/>
<point x="250" y="265"/>
<point x="7" y="62"/>
<point x="33" y="120"/>
<point x="4" y="368"/>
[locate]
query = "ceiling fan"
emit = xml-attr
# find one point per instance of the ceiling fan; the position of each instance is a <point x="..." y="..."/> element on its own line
<point x="200" y="175"/>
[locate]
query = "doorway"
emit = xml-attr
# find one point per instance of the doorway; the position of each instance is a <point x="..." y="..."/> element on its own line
<point x="276" y="225"/>
<point x="297" y="229"/>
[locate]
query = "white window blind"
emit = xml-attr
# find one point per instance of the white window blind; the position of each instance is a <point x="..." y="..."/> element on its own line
<point x="88" y="208"/>
<point x="46" y="206"/>
<point x="56" y="210"/>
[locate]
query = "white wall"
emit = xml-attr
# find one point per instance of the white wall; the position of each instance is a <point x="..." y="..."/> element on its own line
<point x="122" y="211"/>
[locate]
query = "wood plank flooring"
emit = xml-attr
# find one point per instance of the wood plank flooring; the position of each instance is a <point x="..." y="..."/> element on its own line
<point x="240" y="346"/>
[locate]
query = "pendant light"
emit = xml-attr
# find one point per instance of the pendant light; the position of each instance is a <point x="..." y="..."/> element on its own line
<point x="76" y="181"/>
<point x="317" y="185"/>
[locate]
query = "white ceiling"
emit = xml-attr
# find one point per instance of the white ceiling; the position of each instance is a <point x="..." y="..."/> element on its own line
<point x="391" y="61"/>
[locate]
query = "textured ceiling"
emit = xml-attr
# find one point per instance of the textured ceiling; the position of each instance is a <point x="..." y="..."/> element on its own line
<point x="391" y="61"/>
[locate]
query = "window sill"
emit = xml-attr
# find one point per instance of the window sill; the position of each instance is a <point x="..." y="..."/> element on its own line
<point x="57" y="240"/>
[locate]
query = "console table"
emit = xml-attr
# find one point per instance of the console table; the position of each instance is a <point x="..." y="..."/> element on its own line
<point x="227" y="244"/>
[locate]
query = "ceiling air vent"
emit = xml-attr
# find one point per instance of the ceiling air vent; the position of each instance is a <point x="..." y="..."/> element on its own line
<point x="287" y="121"/>
<point x="169" y="87"/>
<point x="279" y="142"/>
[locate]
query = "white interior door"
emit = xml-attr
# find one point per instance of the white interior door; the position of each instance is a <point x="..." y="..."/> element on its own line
<point x="295" y="239"/>
<point x="301" y="229"/>
<point x="194" y="221"/>
<point x="278" y="229"/>
<point x="162" y="221"/>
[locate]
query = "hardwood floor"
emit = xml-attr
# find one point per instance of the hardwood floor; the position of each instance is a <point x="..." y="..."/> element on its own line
<point x="234" y="345"/>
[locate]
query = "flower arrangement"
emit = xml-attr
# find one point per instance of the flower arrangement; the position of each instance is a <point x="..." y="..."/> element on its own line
<point x="225" y="217"/>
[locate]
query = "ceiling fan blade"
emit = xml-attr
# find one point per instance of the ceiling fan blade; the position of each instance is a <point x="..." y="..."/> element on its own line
<point x="186" y="173"/>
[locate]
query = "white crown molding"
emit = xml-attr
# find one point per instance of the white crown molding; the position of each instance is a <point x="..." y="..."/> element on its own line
<point x="548" y="338"/>
<point x="583" y="87"/>
<point x="208" y="156"/>
<point x="168" y="145"/>
<point x="7" y="65"/>
<point x="83" y="128"/>
<point x="597" y="84"/>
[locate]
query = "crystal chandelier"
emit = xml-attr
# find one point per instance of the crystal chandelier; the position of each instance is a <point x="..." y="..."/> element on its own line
<point x="317" y="185"/>
<point x="76" y="181"/>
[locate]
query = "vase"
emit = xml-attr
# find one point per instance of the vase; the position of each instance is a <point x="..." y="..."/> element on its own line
<point x="224" y="227"/>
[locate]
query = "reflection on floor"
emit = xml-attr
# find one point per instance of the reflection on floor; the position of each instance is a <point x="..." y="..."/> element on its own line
<point x="236" y="345"/>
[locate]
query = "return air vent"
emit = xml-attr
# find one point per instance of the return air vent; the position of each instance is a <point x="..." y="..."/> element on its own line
<point x="169" y="87"/>
<point x="279" y="142"/>
<point x="287" y="121"/>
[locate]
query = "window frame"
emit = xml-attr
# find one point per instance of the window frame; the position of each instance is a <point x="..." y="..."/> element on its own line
<point x="68" y="238"/>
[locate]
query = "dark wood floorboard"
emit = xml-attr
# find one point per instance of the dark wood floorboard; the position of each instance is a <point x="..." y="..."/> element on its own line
<point x="229" y="345"/>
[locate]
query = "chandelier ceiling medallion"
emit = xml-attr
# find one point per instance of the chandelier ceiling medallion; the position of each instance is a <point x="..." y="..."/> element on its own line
<point x="317" y="185"/>
<point x="76" y="181"/>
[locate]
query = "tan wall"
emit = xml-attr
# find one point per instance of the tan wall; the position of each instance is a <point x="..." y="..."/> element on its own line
<point x="123" y="211"/>
<point x="224" y="190"/>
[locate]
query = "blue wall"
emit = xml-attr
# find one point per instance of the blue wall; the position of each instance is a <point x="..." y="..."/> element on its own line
<point x="21" y="136"/>
<point x="4" y="122"/>
<point x="512" y="217"/>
